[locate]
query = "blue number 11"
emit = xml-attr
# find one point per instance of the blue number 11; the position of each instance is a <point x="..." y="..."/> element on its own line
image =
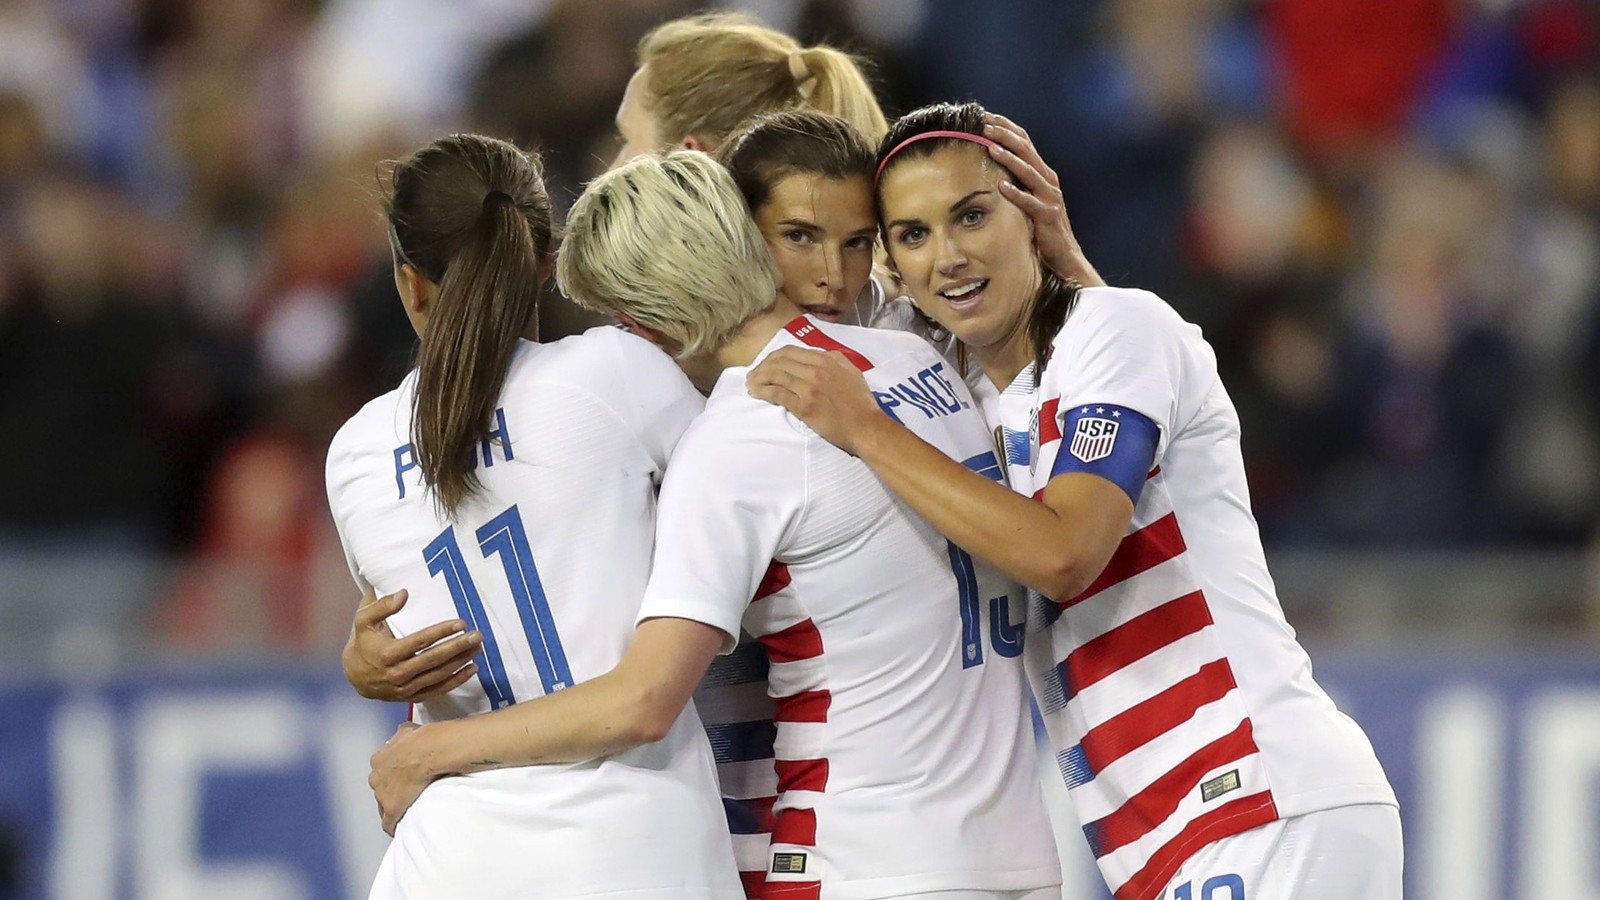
<point x="505" y="536"/>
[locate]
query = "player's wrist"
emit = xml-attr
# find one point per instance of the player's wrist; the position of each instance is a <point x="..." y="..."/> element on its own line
<point x="427" y="752"/>
<point x="873" y="438"/>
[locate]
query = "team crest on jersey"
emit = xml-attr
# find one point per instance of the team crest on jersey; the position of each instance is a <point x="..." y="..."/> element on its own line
<point x="1093" y="439"/>
<point x="789" y="863"/>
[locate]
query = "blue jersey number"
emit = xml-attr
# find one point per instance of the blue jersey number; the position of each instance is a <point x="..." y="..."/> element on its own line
<point x="1004" y="637"/>
<point x="506" y="537"/>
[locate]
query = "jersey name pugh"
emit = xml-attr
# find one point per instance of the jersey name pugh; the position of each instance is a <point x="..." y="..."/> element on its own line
<point x="405" y="456"/>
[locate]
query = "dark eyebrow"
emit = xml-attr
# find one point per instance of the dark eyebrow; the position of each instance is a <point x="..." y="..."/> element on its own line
<point x="968" y="198"/>
<point x="800" y="223"/>
<point x="953" y="207"/>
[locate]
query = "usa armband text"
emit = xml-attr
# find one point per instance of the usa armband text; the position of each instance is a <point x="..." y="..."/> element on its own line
<point x="1114" y="442"/>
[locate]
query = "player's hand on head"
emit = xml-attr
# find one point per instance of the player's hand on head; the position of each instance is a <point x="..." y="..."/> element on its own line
<point x="397" y="777"/>
<point x="822" y="389"/>
<point x="420" y="666"/>
<point x="1038" y="194"/>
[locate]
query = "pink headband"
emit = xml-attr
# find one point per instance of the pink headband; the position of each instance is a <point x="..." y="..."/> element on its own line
<point x="958" y="135"/>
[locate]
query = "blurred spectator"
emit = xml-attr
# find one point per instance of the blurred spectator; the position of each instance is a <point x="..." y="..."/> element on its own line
<point x="83" y="357"/>
<point x="1349" y="72"/>
<point x="401" y="69"/>
<point x="266" y="556"/>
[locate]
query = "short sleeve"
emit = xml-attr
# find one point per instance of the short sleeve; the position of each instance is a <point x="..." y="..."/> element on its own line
<point x="333" y="475"/>
<point x="732" y="495"/>
<point x="1128" y="350"/>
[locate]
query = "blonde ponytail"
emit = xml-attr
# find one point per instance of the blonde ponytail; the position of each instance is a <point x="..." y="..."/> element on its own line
<point x="708" y="74"/>
<point x="841" y="89"/>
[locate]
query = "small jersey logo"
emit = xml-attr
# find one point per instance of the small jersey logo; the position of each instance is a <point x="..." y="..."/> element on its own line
<point x="1222" y="784"/>
<point x="788" y="863"/>
<point x="1093" y="439"/>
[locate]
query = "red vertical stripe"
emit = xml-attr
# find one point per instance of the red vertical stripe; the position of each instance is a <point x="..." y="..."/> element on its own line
<point x="776" y="579"/>
<point x="802" y="775"/>
<point x="1139" y="724"/>
<point x="796" y="826"/>
<point x="1139" y="552"/>
<point x="799" y="641"/>
<point x="1150" y="807"/>
<point x="1228" y="819"/>
<point x="1135" y="639"/>
<point x="754" y="884"/>
<point x="812" y="336"/>
<point x="807" y="706"/>
<point x="1049" y="428"/>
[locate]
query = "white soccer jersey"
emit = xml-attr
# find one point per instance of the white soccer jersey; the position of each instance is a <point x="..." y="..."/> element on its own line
<point x="1179" y="703"/>
<point x="549" y="562"/>
<point x="732" y="698"/>
<point x="905" y="759"/>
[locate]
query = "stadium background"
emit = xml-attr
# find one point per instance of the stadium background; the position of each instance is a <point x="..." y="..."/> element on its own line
<point x="1385" y="215"/>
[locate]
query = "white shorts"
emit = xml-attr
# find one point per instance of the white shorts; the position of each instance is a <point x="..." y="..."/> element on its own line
<point x="1345" y="853"/>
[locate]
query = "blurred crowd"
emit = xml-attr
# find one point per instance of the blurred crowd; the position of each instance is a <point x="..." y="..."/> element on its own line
<point x="1386" y="217"/>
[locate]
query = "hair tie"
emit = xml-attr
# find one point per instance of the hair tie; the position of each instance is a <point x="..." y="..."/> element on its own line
<point x="805" y="81"/>
<point x="495" y="198"/>
<point x="958" y="135"/>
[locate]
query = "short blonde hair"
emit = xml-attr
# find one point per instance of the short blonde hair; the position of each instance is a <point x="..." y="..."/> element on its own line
<point x="669" y="241"/>
<point x="708" y="74"/>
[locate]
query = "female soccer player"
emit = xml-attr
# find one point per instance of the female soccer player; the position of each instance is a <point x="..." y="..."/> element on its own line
<point x="904" y="748"/>
<point x="512" y="484"/>
<point x="1198" y="751"/>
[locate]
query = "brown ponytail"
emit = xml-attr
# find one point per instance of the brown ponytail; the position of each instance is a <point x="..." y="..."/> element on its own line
<point x="471" y="214"/>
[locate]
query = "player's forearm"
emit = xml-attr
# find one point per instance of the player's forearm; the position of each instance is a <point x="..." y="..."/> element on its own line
<point x="1026" y="540"/>
<point x="596" y="718"/>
